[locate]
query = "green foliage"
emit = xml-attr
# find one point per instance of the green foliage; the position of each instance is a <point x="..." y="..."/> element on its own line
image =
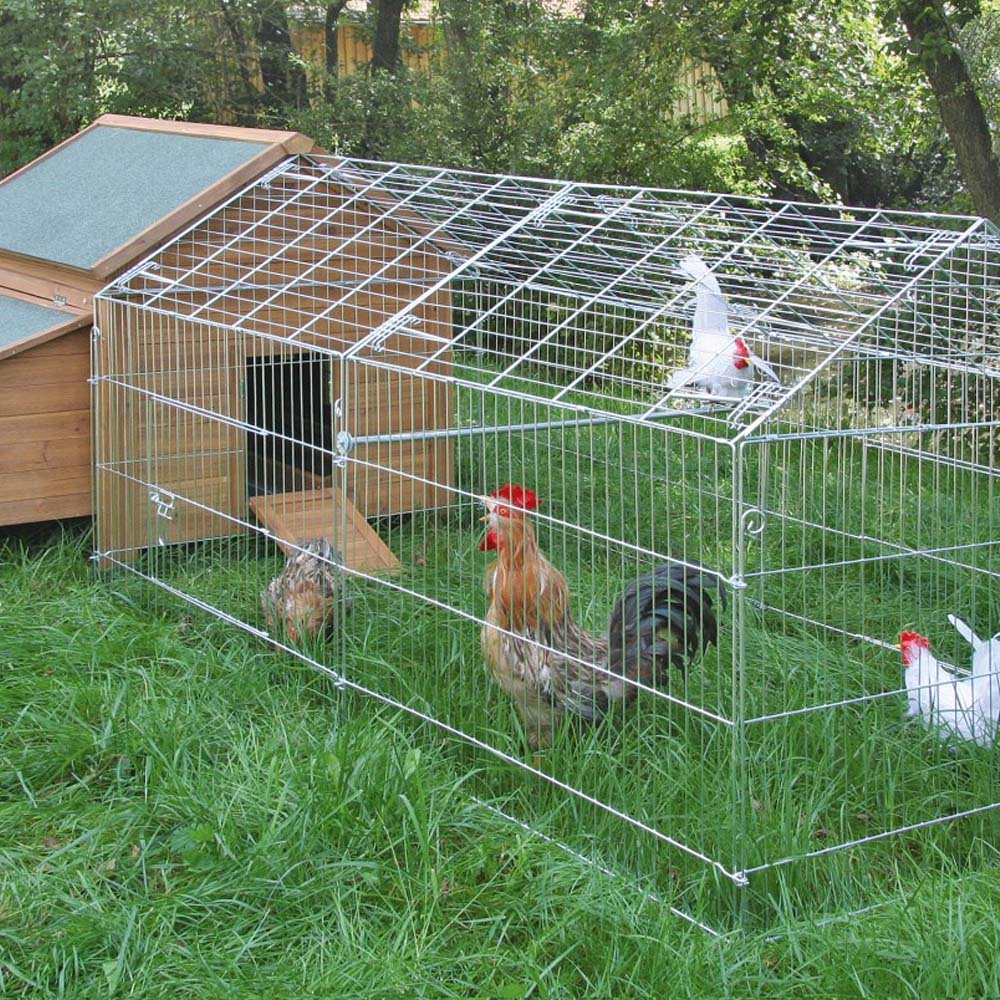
<point x="61" y="64"/>
<point x="407" y="118"/>
<point x="594" y="100"/>
<point x="981" y="46"/>
<point x="827" y="110"/>
<point x="821" y="106"/>
<point x="64" y="62"/>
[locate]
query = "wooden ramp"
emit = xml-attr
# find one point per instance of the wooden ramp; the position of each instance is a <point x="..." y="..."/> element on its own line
<point x="297" y="517"/>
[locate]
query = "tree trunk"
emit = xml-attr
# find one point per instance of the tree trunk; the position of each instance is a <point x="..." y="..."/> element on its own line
<point x="959" y="106"/>
<point x="385" y="50"/>
<point x="247" y="63"/>
<point x="333" y="11"/>
<point x="284" y="81"/>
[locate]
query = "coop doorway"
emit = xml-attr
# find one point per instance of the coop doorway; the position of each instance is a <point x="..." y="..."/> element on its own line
<point x="293" y="488"/>
<point x="290" y="440"/>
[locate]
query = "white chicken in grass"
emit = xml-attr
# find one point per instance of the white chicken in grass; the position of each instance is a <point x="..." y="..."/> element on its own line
<point x="961" y="706"/>
<point x="985" y="665"/>
<point x="720" y="362"/>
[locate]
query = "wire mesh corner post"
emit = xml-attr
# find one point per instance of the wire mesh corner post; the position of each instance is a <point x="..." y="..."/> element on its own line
<point x="360" y="353"/>
<point x="746" y="525"/>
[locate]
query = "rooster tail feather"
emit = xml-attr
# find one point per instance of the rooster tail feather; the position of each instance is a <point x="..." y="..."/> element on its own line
<point x="587" y="700"/>
<point x="662" y="620"/>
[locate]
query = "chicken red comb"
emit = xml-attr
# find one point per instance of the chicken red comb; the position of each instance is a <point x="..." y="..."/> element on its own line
<point x="909" y="642"/>
<point x="741" y="356"/>
<point x="517" y="497"/>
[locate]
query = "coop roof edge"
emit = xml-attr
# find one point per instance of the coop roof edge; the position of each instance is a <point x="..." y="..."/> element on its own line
<point x="274" y="146"/>
<point x="413" y="223"/>
<point x="29" y="335"/>
<point x="65" y="288"/>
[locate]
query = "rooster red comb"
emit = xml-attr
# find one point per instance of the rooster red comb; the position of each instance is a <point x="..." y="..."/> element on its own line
<point x="907" y="642"/>
<point x="517" y="499"/>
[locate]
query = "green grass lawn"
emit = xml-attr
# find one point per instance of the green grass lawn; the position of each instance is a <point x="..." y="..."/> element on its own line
<point x="189" y="813"/>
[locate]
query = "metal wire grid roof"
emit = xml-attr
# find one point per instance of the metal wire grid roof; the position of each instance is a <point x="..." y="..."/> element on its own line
<point x="570" y="290"/>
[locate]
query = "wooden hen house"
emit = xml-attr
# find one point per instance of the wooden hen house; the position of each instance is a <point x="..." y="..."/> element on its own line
<point x="231" y="389"/>
<point x="70" y="221"/>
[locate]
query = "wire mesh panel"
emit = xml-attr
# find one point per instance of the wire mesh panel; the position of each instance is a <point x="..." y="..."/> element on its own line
<point x="628" y="494"/>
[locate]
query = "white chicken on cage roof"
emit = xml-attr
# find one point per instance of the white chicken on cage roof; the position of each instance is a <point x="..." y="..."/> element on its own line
<point x="720" y="361"/>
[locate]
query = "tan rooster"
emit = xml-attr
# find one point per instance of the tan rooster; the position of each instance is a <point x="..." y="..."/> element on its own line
<point x="545" y="661"/>
<point x="305" y="599"/>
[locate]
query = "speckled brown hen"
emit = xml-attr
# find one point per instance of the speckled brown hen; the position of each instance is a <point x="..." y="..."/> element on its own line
<point x="545" y="661"/>
<point x="305" y="600"/>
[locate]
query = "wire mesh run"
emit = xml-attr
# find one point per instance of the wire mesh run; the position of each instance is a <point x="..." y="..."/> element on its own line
<point x="728" y="450"/>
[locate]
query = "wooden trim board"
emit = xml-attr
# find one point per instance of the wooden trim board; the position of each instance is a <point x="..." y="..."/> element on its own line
<point x="72" y="322"/>
<point x="46" y="278"/>
<point x="298" y="517"/>
<point x="294" y="142"/>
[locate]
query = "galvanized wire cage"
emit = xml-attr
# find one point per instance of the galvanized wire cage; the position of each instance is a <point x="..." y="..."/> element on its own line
<point x="361" y="353"/>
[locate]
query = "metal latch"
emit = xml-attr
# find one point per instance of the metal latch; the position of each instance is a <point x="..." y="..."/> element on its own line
<point x="164" y="504"/>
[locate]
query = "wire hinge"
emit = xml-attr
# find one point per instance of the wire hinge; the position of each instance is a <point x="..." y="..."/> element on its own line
<point x="382" y="333"/>
<point x="554" y="203"/>
<point x="266" y="180"/>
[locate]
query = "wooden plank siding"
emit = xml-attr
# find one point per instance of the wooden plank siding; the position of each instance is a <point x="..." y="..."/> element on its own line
<point x="47" y="281"/>
<point x="420" y="47"/>
<point x="45" y="409"/>
<point x="397" y="476"/>
<point x="173" y="390"/>
<point x="700" y="92"/>
<point x="45" y="431"/>
<point x="157" y="371"/>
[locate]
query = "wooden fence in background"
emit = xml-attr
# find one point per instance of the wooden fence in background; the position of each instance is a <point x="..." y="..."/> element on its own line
<point x="423" y="46"/>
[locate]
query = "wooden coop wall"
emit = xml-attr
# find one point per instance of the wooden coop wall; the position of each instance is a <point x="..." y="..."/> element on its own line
<point x="172" y="439"/>
<point x="45" y="431"/>
<point x="70" y="220"/>
<point x="45" y="396"/>
<point x="170" y="458"/>
<point x="414" y="472"/>
<point x="303" y="264"/>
